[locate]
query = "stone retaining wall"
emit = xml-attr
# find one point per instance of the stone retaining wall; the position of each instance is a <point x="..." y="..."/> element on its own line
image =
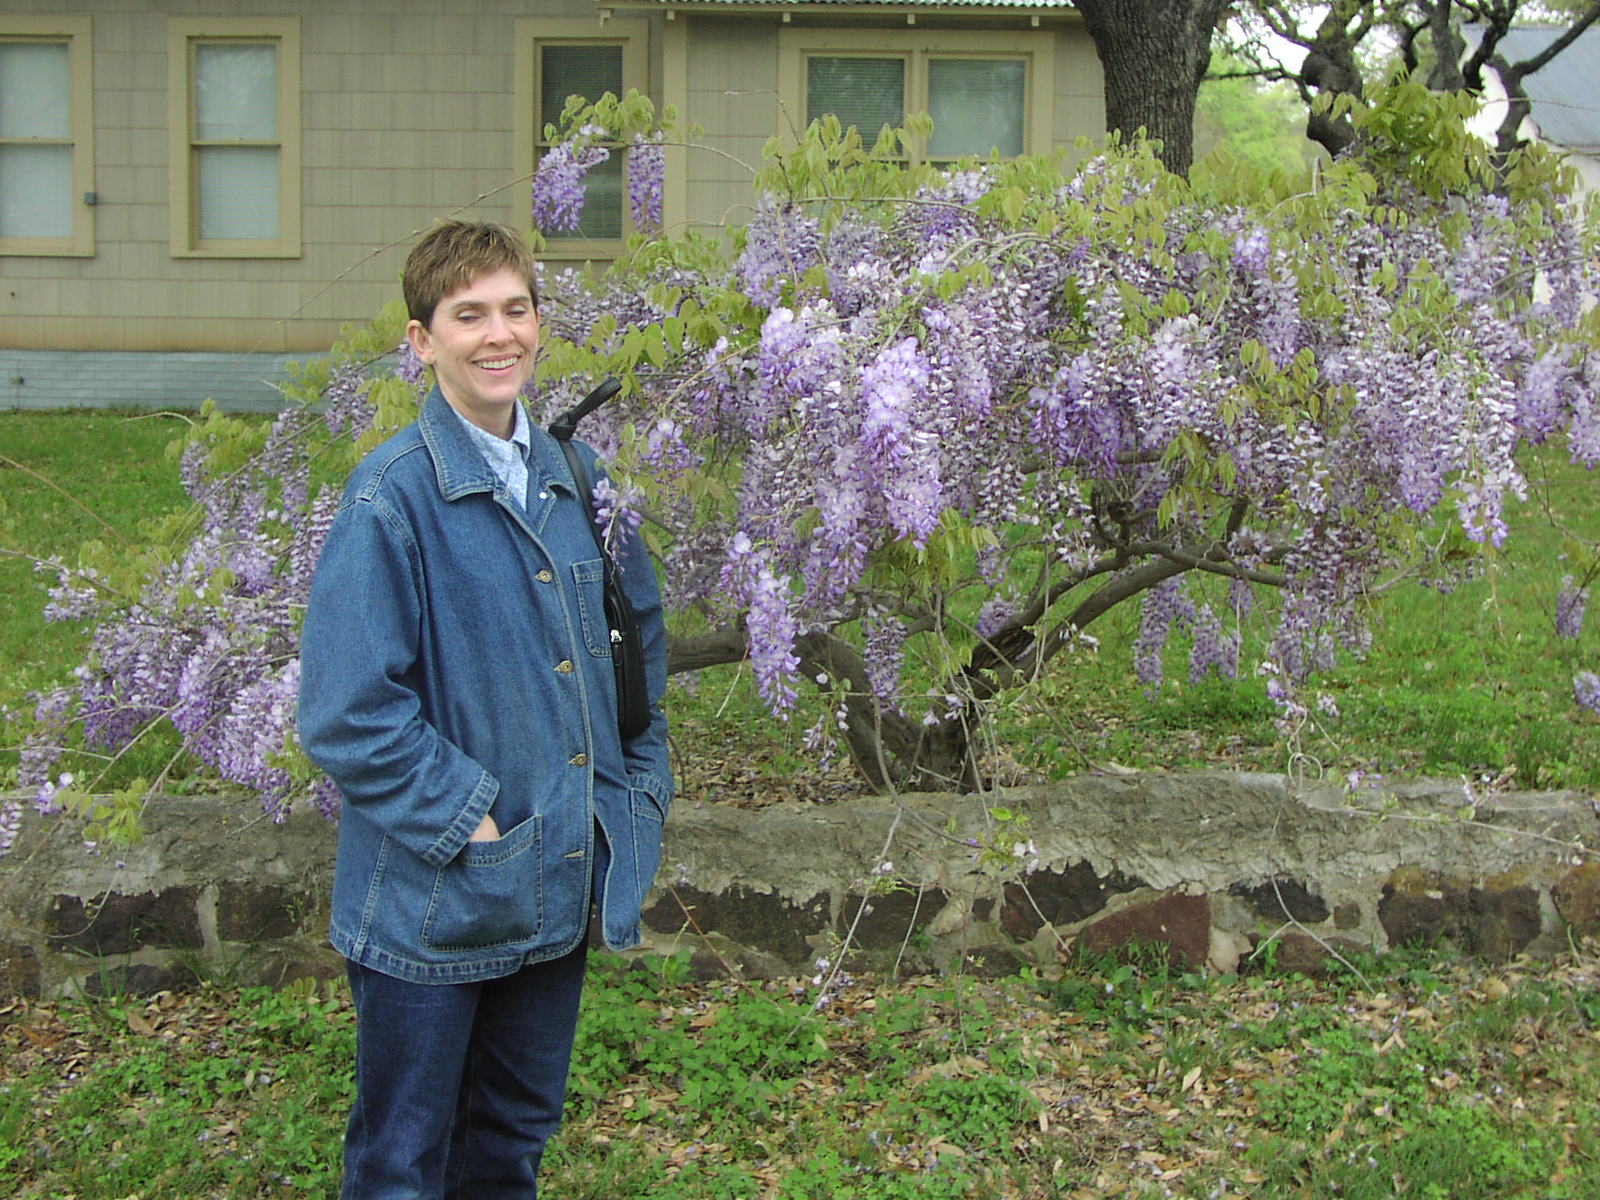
<point x="1206" y="865"/>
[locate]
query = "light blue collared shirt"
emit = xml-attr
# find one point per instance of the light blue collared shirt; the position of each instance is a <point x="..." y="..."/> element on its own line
<point x="508" y="457"/>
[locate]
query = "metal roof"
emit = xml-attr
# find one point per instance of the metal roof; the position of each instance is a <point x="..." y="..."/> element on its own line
<point x="779" y="5"/>
<point x="1566" y="103"/>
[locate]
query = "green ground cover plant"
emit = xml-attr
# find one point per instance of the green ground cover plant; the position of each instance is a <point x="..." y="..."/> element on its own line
<point x="1409" y="1076"/>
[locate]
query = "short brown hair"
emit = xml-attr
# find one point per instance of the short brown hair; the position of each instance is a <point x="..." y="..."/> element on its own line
<point x="454" y="253"/>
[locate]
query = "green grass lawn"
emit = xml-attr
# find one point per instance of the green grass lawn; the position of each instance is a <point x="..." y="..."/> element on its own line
<point x="67" y="478"/>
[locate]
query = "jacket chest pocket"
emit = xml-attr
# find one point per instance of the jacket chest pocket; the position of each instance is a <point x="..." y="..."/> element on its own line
<point x="590" y="579"/>
<point x="491" y="894"/>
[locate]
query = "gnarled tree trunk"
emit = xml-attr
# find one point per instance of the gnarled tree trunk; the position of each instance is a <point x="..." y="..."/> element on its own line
<point x="1154" y="53"/>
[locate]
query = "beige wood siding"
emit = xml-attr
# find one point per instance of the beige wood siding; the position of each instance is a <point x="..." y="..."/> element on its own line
<point x="733" y="81"/>
<point x="406" y="116"/>
<point x="408" y="112"/>
<point x="729" y="82"/>
<point x="1079" y="89"/>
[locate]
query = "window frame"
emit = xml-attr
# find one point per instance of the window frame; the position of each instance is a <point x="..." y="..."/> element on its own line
<point x="916" y="46"/>
<point x="532" y="34"/>
<point x="76" y="33"/>
<point x="183" y="34"/>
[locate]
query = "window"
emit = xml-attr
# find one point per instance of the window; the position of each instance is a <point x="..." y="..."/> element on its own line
<point x="978" y="105"/>
<point x="986" y="92"/>
<point x="561" y="58"/>
<point x="46" y="136"/>
<point x="235" y="127"/>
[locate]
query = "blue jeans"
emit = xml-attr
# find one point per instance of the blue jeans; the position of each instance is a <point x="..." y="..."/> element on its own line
<point x="459" y="1086"/>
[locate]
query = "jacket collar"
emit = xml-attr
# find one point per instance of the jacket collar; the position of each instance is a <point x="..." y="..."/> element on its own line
<point x="460" y="467"/>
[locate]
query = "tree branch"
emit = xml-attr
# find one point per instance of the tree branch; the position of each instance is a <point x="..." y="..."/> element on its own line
<point x="1584" y="20"/>
<point x="712" y="649"/>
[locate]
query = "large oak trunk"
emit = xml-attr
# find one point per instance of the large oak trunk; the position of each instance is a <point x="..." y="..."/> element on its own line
<point x="1154" y="54"/>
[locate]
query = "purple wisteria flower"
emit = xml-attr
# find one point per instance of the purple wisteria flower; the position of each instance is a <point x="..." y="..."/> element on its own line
<point x="1161" y="607"/>
<point x="798" y="365"/>
<point x="1571" y="601"/>
<point x="1482" y="504"/>
<point x="75" y="596"/>
<point x="205" y="642"/>
<point x="844" y="534"/>
<point x="1214" y="648"/>
<point x="1251" y="250"/>
<point x="1586" y="689"/>
<point x="904" y="453"/>
<point x="1074" y="421"/>
<point x="994" y="612"/>
<point x="647" y="170"/>
<point x="1539" y="402"/>
<point x="780" y="244"/>
<point x="772" y="629"/>
<point x="617" y="513"/>
<point x="884" y="653"/>
<point x="255" y="733"/>
<point x="10" y="824"/>
<point x="558" y="191"/>
<point x="410" y="366"/>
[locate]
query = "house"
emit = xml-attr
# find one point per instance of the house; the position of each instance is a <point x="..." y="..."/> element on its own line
<point x="1562" y="93"/>
<point x="192" y="194"/>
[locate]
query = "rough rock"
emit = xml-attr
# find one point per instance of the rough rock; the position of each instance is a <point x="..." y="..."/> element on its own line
<point x="1577" y="899"/>
<point x="1204" y="864"/>
<point x="1176" y="923"/>
<point x="1298" y="953"/>
<point x="763" y="920"/>
<point x="1282" y="899"/>
<point x="1495" y="921"/>
<point x="19" y="971"/>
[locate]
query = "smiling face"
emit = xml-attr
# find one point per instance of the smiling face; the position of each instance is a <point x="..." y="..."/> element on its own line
<point x="480" y="344"/>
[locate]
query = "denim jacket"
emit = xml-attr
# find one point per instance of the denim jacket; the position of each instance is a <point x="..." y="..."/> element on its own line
<point x="456" y="662"/>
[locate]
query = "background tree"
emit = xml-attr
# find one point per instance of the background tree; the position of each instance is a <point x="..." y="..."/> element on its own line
<point x="1246" y="117"/>
<point x="1351" y="43"/>
<point x="1154" y="53"/>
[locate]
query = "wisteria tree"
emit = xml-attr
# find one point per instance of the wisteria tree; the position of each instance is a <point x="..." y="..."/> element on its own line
<point x="909" y="434"/>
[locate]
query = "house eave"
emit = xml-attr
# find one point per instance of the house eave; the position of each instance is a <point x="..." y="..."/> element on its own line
<point x="1039" y="11"/>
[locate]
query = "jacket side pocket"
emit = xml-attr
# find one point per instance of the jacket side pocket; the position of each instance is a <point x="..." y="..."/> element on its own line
<point x="491" y="894"/>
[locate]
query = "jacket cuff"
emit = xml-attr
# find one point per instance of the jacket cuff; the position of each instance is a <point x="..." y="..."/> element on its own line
<point x="459" y="831"/>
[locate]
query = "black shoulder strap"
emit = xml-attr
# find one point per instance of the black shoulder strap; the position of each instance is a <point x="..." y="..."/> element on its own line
<point x="585" y="493"/>
<point x="627" y="655"/>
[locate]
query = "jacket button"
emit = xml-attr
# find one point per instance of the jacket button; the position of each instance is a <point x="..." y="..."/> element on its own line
<point x="565" y="666"/>
<point x="544" y="577"/>
<point x="578" y="760"/>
